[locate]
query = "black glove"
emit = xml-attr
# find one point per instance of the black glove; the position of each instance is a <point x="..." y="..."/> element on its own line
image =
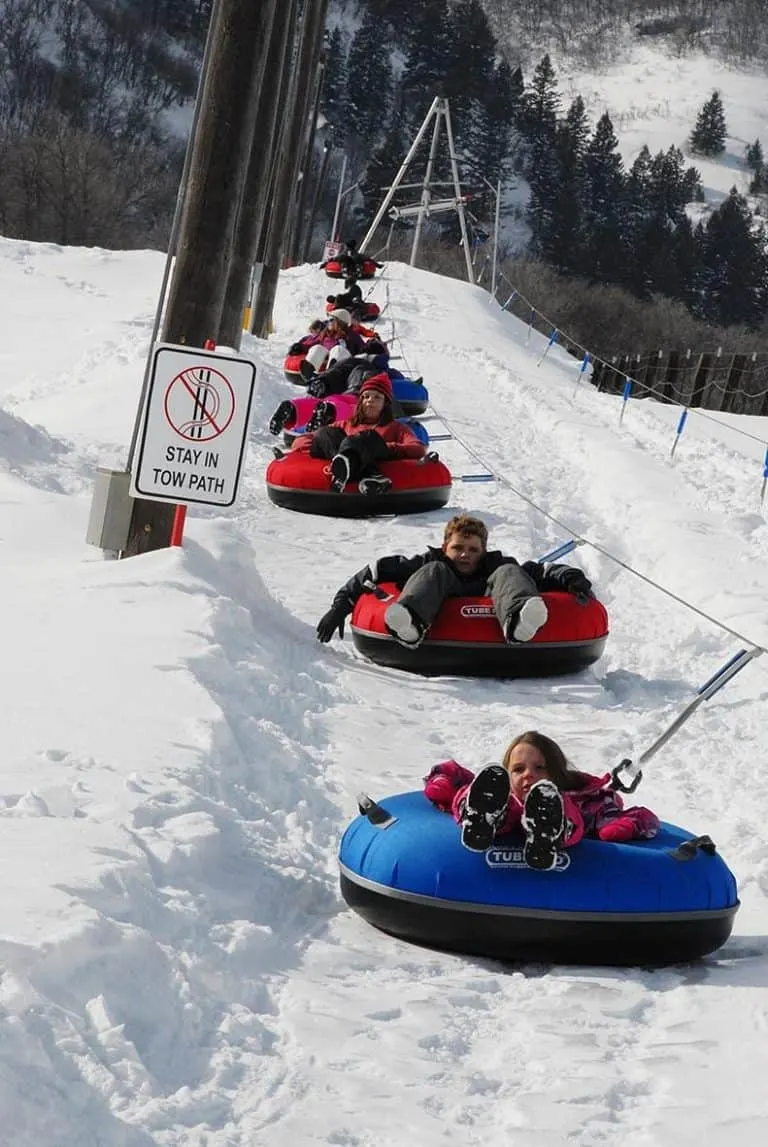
<point x="576" y="582"/>
<point x="296" y="348"/>
<point x="432" y="456"/>
<point x="331" y="621"/>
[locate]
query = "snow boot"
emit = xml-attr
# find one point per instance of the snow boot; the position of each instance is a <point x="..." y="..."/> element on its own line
<point x="529" y="621"/>
<point x="485" y="808"/>
<point x="543" y="821"/>
<point x="374" y="484"/>
<point x="284" y="414"/>
<point x="404" y="626"/>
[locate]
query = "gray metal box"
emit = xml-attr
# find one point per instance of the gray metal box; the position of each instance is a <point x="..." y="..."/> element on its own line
<point x="111" y="509"/>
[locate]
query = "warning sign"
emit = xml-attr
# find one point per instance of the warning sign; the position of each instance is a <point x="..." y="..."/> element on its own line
<point x="199" y="403"/>
<point x="194" y="427"/>
<point x="331" y="250"/>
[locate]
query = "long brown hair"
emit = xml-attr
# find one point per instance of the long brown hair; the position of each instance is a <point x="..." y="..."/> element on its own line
<point x="560" y="773"/>
<point x="384" y="418"/>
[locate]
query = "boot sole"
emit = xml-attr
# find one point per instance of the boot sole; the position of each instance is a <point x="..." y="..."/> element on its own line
<point x="544" y="824"/>
<point x="532" y="616"/>
<point x="488" y="793"/>
<point x="402" y="618"/>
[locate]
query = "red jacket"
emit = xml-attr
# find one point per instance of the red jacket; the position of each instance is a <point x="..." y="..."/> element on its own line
<point x="402" y="442"/>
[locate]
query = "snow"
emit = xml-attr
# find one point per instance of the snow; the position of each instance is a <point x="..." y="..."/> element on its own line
<point x="182" y="756"/>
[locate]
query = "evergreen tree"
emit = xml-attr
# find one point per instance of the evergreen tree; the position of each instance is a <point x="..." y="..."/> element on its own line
<point x="708" y="135"/>
<point x="469" y="73"/>
<point x="380" y="172"/>
<point x="758" y="185"/>
<point x="494" y="142"/>
<point x="540" y="109"/>
<point x="656" y="192"/>
<point x="670" y="186"/>
<point x="426" y="63"/>
<point x="368" y="94"/>
<point x="543" y="202"/>
<point x="754" y="155"/>
<point x="734" y="280"/>
<point x="562" y="244"/>
<point x="682" y="270"/>
<point x="605" y="255"/>
<point x="538" y="128"/>
<point x="333" y="96"/>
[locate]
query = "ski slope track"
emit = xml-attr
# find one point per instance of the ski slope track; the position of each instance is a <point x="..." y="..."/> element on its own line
<point x="181" y="757"/>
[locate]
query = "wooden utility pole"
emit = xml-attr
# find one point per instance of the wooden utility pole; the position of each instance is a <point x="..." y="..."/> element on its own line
<point x="262" y="160"/>
<point x="295" y="239"/>
<point x="228" y="96"/>
<point x="310" y="46"/>
<point x="217" y="174"/>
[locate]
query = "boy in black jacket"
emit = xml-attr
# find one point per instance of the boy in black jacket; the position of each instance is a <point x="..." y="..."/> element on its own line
<point x="463" y="566"/>
<point x="351" y="298"/>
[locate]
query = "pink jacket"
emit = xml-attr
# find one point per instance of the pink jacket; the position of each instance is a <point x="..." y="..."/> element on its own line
<point x="402" y="442"/>
<point x="594" y="810"/>
<point x="324" y="338"/>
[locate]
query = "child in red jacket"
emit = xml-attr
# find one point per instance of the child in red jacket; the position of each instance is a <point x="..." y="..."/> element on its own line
<point x="534" y="789"/>
<point x="358" y="444"/>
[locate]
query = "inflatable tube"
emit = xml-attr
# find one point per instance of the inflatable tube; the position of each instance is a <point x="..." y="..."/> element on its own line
<point x="466" y="638"/>
<point x="369" y="312"/>
<point x="333" y="270"/>
<point x="291" y="365"/>
<point x="639" y="903"/>
<point x="301" y="483"/>
<point x="413" y="396"/>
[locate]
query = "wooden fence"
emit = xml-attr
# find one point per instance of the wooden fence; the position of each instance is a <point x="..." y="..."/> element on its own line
<point x="708" y="379"/>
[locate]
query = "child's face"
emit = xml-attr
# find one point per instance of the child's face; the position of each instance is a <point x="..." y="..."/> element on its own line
<point x="372" y="403"/>
<point x="465" y="551"/>
<point x="525" y="766"/>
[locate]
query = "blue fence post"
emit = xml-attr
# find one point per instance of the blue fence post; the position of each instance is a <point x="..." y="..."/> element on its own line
<point x="680" y="427"/>
<point x="582" y="371"/>
<point x="561" y="551"/>
<point x="531" y="317"/>
<point x="552" y="341"/>
<point x="765" y="476"/>
<point x="625" y="397"/>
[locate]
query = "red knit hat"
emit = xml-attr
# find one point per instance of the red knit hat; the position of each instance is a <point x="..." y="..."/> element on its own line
<point x="380" y="382"/>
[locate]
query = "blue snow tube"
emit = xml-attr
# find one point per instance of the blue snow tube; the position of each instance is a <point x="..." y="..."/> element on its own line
<point x="647" y="902"/>
<point x="413" y="396"/>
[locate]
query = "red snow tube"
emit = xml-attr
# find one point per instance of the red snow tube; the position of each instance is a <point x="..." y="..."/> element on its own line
<point x="291" y="368"/>
<point x="369" y="312"/>
<point x="334" y="270"/>
<point x="298" y="482"/>
<point x="466" y="638"/>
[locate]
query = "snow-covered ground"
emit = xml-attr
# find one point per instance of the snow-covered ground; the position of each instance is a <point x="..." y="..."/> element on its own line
<point x="181" y="757"/>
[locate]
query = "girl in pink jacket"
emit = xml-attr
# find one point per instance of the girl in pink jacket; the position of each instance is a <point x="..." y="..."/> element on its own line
<point x="535" y="789"/>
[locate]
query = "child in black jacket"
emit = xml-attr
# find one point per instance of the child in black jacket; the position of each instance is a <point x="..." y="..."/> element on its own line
<point x="463" y="566"/>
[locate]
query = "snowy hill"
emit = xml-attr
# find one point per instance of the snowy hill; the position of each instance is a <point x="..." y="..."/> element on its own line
<point x="653" y="97"/>
<point x="181" y="757"/>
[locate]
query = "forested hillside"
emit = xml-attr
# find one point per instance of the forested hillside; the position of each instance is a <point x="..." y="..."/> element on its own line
<point x="735" y="30"/>
<point x="96" y="94"/>
<point x="86" y="156"/>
